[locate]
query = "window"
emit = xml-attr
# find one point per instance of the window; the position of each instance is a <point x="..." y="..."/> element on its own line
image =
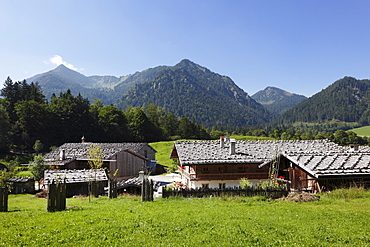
<point x="205" y="186"/>
<point x="222" y="186"/>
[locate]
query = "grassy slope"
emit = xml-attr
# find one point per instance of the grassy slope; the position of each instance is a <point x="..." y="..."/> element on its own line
<point x="163" y="152"/>
<point x="362" y="131"/>
<point x="227" y="221"/>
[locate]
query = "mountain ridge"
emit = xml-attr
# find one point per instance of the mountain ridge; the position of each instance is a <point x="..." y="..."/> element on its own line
<point x="277" y="100"/>
<point x="347" y="100"/>
<point x="194" y="91"/>
<point x="214" y="92"/>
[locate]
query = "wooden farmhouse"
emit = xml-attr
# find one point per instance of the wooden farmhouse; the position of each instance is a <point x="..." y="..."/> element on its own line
<point x="128" y="158"/>
<point x="304" y="165"/>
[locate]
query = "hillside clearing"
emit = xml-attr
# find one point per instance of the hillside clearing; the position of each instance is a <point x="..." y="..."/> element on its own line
<point x="362" y="131"/>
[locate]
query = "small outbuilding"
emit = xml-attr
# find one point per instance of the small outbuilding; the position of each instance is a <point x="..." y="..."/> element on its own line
<point x="22" y="185"/>
<point x="77" y="181"/>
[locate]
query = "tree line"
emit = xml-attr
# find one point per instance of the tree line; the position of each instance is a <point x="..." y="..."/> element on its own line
<point x="28" y="120"/>
<point x="288" y="132"/>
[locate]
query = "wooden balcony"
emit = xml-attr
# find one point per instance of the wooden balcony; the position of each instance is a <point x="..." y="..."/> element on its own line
<point x="224" y="176"/>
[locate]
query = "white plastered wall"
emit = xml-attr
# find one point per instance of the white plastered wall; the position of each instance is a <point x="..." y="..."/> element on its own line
<point x="214" y="184"/>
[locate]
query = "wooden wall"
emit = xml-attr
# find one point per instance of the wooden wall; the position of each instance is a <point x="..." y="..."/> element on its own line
<point x="128" y="165"/>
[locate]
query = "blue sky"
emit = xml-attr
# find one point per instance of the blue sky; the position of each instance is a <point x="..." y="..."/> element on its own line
<point x="298" y="46"/>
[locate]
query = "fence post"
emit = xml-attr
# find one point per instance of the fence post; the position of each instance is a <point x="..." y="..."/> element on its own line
<point x="151" y="190"/>
<point x="63" y="195"/>
<point x="143" y="190"/>
<point x="112" y="188"/>
<point x="56" y="196"/>
<point x="147" y="185"/>
<point x="4" y="199"/>
<point x="51" y="197"/>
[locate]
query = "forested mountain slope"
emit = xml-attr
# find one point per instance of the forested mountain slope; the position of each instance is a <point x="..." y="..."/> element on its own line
<point x="61" y="79"/>
<point x="194" y="91"/>
<point x="346" y="100"/>
<point x="276" y="100"/>
<point x="125" y="83"/>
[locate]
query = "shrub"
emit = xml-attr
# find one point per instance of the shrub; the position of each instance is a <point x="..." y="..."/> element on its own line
<point x="245" y="183"/>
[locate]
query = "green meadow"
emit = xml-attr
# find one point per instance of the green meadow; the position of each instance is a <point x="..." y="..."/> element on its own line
<point x="340" y="218"/>
<point x="362" y="131"/>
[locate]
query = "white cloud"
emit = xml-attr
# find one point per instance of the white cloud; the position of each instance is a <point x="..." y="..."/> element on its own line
<point x="58" y="60"/>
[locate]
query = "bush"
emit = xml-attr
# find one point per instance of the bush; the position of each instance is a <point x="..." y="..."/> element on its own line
<point x="245" y="183"/>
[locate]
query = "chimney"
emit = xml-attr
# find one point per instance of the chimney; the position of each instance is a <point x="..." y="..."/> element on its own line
<point x="222" y="142"/>
<point x="83" y="139"/>
<point x="232" y="146"/>
<point x="62" y="154"/>
<point x="141" y="176"/>
<point x="354" y="147"/>
<point x="227" y="138"/>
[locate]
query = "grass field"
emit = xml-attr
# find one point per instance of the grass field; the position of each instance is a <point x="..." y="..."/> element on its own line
<point x="362" y="131"/>
<point x="336" y="220"/>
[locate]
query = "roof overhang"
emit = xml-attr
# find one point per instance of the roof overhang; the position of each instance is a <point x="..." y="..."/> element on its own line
<point x="311" y="173"/>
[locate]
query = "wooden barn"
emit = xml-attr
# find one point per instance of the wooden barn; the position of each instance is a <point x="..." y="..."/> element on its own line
<point x="325" y="170"/>
<point x="127" y="158"/>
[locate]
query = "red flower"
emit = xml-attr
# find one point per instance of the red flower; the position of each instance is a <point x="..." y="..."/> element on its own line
<point x="182" y="167"/>
<point x="281" y="177"/>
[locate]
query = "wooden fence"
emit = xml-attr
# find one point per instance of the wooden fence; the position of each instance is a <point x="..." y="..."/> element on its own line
<point x="206" y="192"/>
<point x="4" y="199"/>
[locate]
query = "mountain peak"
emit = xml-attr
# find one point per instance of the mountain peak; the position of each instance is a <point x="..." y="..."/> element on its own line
<point x="277" y="100"/>
<point x="186" y="61"/>
<point x="63" y="68"/>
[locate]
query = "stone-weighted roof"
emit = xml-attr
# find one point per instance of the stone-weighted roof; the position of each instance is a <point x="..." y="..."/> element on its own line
<point x="208" y="152"/>
<point x="134" y="182"/>
<point x="317" y="157"/>
<point x="79" y="151"/>
<point x="319" y="165"/>
<point x="75" y="176"/>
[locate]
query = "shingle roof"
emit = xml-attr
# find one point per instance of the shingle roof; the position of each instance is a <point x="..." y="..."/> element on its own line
<point x="21" y="179"/>
<point x="205" y="152"/>
<point x="318" y="157"/>
<point x="134" y="182"/>
<point x="75" y="176"/>
<point x="79" y="151"/>
<point x="320" y="165"/>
